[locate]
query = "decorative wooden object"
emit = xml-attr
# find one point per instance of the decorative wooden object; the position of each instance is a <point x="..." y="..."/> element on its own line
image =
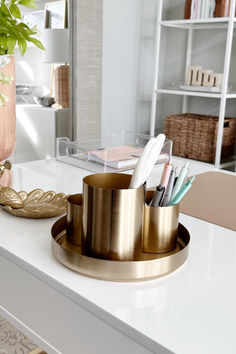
<point x="62" y="85"/>
<point x="8" y="113"/>
<point x="207" y="78"/>
<point x="218" y="79"/>
<point x="197" y="76"/>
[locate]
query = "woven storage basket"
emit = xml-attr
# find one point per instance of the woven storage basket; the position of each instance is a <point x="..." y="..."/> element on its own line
<point x="62" y="85"/>
<point x="194" y="135"/>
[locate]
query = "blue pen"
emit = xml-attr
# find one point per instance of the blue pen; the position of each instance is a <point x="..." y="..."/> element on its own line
<point x="182" y="192"/>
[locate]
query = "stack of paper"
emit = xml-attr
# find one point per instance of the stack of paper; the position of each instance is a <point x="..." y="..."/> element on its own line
<point x="120" y="157"/>
<point x="117" y="156"/>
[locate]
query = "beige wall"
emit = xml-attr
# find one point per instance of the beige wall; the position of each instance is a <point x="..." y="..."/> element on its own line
<point x="87" y="67"/>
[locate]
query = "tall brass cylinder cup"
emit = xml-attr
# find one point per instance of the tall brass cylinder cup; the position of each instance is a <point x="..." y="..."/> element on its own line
<point x="112" y="217"/>
<point x="74" y="219"/>
<point x="160" y="227"/>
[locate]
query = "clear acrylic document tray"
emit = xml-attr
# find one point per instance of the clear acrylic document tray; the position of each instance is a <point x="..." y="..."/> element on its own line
<point x="119" y="152"/>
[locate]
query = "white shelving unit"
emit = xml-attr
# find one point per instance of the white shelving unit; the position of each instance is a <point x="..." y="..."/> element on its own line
<point x="190" y="25"/>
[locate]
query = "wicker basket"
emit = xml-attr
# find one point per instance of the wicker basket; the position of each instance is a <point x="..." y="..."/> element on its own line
<point x="194" y="135"/>
<point x="62" y="85"/>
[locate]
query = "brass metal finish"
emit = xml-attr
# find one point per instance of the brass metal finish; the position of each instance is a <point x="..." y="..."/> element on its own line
<point x="74" y="219"/>
<point x="160" y="227"/>
<point x="149" y="265"/>
<point x="10" y="198"/>
<point x="112" y="217"/>
<point x="35" y="205"/>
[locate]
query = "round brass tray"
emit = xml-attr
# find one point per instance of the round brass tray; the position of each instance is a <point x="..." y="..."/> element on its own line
<point x="149" y="266"/>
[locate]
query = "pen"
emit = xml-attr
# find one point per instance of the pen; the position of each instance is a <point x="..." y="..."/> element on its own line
<point x="181" y="193"/>
<point x="169" y="189"/>
<point x="175" y="180"/>
<point x="180" y="180"/>
<point x="166" y="173"/>
<point x="157" y="198"/>
<point x="147" y="161"/>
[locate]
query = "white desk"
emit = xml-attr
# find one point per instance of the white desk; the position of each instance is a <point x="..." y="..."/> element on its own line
<point x="189" y="311"/>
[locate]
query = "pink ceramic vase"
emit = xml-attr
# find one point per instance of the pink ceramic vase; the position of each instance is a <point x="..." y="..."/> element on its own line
<point x="8" y="119"/>
<point x="8" y="113"/>
<point x="6" y="179"/>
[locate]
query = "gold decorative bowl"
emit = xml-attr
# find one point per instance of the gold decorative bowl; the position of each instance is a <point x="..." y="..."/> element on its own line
<point x="35" y="205"/>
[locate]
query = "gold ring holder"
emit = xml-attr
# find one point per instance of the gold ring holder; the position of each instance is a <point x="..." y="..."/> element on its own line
<point x="149" y="265"/>
<point x="112" y="217"/>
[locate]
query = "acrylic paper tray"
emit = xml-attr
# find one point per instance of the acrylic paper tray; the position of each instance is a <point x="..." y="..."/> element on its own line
<point x="79" y="154"/>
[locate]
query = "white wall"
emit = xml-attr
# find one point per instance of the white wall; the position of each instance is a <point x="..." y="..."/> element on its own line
<point x="128" y="48"/>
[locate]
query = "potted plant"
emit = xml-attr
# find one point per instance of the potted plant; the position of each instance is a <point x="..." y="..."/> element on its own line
<point x="13" y="32"/>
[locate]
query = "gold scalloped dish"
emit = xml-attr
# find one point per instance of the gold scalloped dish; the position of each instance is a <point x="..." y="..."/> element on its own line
<point x="34" y="205"/>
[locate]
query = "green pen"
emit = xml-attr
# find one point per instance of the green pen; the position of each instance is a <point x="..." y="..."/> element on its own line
<point x="182" y="192"/>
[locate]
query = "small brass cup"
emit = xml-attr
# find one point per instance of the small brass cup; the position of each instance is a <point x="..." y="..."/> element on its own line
<point x="112" y="217"/>
<point x="160" y="227"/>
<point x="74" y="219"/>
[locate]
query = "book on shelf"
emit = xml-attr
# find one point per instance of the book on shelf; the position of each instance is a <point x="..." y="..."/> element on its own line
<point x="120" y="157"/>
<point x="199" y="9"/>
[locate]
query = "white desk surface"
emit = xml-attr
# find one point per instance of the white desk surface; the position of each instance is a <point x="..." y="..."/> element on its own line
<point x="189" y="311"/>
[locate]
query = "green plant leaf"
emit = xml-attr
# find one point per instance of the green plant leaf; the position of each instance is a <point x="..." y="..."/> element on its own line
<point x="37" y="43"/>
<point x="12" y="28"/>
<point x="29" y="31"/>
<point x="28" y="3"/>
<point x="2" y="51"/>
<point x="4" y="9"/>
<point x="15" y="11"/>
<point x="3" y="40"/>
<point x="11" y="43"/>
<point x="22" y="46"/>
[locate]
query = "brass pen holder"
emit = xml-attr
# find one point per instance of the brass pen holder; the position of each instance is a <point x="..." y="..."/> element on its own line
<point x="74" y="226"/>
<point x="112" y="217"/>
<point x="102" y="236"/>
<point x="160" y="227"/>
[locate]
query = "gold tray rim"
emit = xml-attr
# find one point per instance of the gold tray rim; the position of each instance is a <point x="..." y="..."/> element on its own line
<point x="119" y="271"/>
